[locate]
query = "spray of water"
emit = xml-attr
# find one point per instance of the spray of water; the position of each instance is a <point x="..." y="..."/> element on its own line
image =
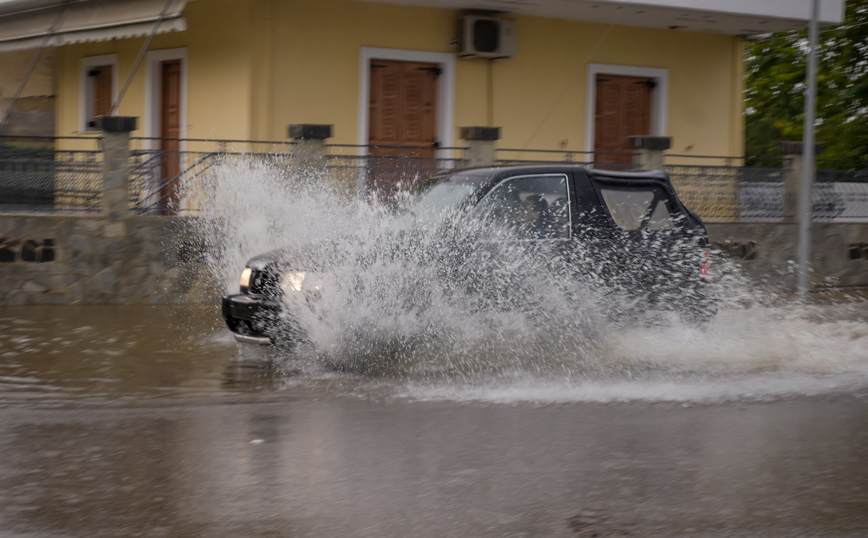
<point x="386" y="307"/>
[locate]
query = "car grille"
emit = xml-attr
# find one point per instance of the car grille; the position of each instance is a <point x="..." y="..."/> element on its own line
<point x="265" y="282"/>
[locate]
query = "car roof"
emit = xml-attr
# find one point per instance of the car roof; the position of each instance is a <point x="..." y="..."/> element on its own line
<point x="481" y="174"/>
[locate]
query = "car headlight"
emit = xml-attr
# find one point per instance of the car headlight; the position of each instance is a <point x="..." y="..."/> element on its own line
<point x="300" y="281"/>
<point x="293" y="281"/>
<point x="245" y="279"/>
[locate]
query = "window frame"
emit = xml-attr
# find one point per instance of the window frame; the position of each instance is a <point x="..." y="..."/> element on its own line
<point x="153" y="104"/>
<point x="566" y="179"/>
<point x="86" y="90"/>
<point x="660" y="194"/>
<point x="659" y="98"/>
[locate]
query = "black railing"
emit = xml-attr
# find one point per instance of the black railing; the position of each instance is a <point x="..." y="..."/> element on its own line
<point x="386" y="169"/>
<point x="64" y="174"/>
<point x="50" y="180"/>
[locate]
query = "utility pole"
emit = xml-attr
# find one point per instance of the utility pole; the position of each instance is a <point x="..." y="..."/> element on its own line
<point x="808" y="163"/>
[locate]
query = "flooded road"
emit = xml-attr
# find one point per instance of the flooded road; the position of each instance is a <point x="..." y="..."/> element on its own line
<point x="151" y="421"/>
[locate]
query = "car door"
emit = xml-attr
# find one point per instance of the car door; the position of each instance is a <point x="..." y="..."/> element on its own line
<point x="524" y="223"/>
<point x="644" y="236"/>
<point x="594" y="241"/>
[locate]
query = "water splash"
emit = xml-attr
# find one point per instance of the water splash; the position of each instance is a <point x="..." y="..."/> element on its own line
<point x="389" y="313"/>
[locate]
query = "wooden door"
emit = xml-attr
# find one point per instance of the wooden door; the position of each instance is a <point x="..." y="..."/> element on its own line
<point x="623" y="109"/>
<point x="170" y="131"/>
<point x="402" y="119"/>
<point x="102" y="90"/>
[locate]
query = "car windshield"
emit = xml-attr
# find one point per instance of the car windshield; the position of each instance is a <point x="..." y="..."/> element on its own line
<point x="442" y="199"/>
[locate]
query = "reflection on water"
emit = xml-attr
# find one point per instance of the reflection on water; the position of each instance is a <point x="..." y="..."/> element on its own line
<point x="151" y="421"/>
<point x="53" y="356"/>
<point x="129" y="355"/>
<point x="330" y="466"/>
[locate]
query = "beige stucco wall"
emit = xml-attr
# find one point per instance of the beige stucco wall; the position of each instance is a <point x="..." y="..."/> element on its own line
<point x="33" y="112"/>
<point x="219" y="72"/>
<point x="256" y="66"/>
<point x="13" y="66"/>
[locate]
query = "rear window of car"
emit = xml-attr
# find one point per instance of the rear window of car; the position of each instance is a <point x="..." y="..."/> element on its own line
<point x="630" y="207"/>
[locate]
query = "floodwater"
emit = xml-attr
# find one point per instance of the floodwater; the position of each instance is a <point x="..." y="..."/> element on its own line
<point x="423" y="415"/>
<point x="152" y="421"/>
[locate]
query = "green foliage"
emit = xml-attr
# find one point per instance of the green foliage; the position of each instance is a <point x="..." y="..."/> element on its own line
<point x="775" y="71"/>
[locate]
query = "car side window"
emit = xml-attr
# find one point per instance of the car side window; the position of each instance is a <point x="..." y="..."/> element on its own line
<point x="628" y="207"/>
<point x="661" y="219"/>
<point x="532" y="207"/>
<point x="635" y="208"/>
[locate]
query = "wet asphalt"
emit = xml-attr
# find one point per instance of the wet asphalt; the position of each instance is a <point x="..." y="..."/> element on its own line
<point x="149" y="421"/>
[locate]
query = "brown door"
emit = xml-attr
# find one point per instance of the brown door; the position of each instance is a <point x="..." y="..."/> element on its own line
<point x="623" y="109"/>
<point x="99" y="93"/>
<point x="402" y="117"/>
<point x="170" y="131"/>
<point x="102" y="90"/>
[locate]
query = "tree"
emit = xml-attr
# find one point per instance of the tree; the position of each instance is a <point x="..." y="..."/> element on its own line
<point x="775" y="71"/>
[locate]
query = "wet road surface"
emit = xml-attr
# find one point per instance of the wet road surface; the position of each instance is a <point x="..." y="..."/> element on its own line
<point x="149" y="421"/>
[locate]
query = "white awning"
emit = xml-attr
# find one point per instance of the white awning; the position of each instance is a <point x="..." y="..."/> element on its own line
<point x="24" y="24"/>
<point x="732" y="17"/>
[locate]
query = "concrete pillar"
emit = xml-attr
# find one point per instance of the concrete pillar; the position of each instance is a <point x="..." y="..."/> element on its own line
<point x="310" y="143"/>
<point x="116" y="164"/>
<point x="793" y="166"/>
<point x="481" y="145"/>
<point x="649" y="151"/>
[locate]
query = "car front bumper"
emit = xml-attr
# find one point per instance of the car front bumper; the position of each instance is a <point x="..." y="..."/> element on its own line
<point x="252" y="319"/>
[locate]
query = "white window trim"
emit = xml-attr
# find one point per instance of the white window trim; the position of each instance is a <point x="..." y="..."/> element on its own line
<point x="152" y="93"/>
<point x="85" y="65"/>
<point x="445" y="91"/>
<point x="659" y="104"/>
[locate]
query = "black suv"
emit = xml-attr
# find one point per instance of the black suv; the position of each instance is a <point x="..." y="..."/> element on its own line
<point x="625" y="233"/>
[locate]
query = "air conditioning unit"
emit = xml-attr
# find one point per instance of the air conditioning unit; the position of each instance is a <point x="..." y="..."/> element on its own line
<point x="485" y="37"/>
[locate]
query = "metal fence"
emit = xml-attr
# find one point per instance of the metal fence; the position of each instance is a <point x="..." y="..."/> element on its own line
<point x="729" y="193"/>
<point x="36" y="176"/>
<point x="157" y="178"/>
<point x="167" y="174"/>
<point x="387" y="169"/>
<point x="756" y="194"/>
<point x="350" y="168"/>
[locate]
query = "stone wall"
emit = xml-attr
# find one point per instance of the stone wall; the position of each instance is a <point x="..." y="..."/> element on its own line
<point x="156" y="260"/>
<point x="92" y="260"/>
<point x="769" y="252"/>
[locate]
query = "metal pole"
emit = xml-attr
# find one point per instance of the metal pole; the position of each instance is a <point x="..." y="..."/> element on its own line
<point x="141" y="55"/>
<point x="808" y="165"/>
<point x="32" y="65"/>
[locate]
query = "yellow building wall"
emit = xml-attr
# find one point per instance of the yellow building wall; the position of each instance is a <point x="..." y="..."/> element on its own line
<point x="256" y="66"/>
<point x="13" y="66"/>
<point x="539" y="95"/>
<point x="218" y="73"/>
